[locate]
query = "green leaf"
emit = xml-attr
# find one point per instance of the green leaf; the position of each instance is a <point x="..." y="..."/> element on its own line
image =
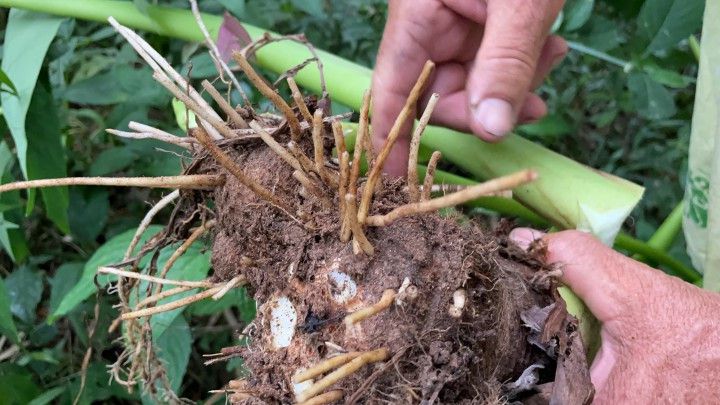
<point x="4" y="79"/>
<point x="112" y="160"/>
<point x="48" y="396"/>
<point x="236" y="7"/>
<point x="664" y="23"/>
<point x="652" y="100"/>
<point x="313" y="7"/>
<point x="111" y="252"/>
<point x="121" y="84"/>
<point x="27" y="38"/>
<point x="12" y="240"/>
<point x="66" y="276"/>
<point x="173" y="347"/>
<point x="668" y="77"/>
<point x="88" y="212"/>
<point x="46" y="155"/>
<point x="7" y="326"/>
<point x="16" y="385"/>
<point x="577" y="13"/>
<point x="24" y="287"/>
<point x="184" y="117"/>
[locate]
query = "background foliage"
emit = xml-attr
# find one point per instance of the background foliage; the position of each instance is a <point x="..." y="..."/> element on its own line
<point x="621" y="102"/>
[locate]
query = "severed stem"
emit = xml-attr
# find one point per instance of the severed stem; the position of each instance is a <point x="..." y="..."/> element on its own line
<point x="393" y="135"/>
<point x="276" y="147"/>
<point x="457" y="198"/>
<point x="323" y="399"/>
<point x="152" y="279"/>
<point x="194" y="182"/>
<point x="236" y="171"/>
<point x="360" y="142"/>
<point x="299" y="101"/>
<point x="199" y="231"/>
<point x="312" y="188"/>
<point x="224" y="105"/>
<point x="412" y="176"/>
<point x="175" y="140"/>
<point x="357" y="230"/>
<point x="270" y="94"/>
<point x="345" y="226"/>
<point x="171" y="305"/>
<point x="325" y="366"/>
<point x="317" y="136"/>
<point x="385" y="301"/>
<point x="344" y="371"/>
<point x="430" y="175"/>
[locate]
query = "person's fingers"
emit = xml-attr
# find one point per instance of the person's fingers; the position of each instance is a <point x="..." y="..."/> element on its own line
<point x="603" y="278"/>
<point x="505" y="65"/>
<point x="533" y="109"/>
<point x="552" y="53"/>
<point x="391" y="84"/>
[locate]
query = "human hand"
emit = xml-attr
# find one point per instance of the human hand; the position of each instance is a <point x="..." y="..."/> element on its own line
<point x="489" y="56"/>
<point x="660" y="335"/>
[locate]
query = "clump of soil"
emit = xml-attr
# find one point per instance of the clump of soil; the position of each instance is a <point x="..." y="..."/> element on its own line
<point x="298" y="267"/>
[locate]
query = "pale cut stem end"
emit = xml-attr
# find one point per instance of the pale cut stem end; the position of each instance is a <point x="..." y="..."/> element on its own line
<point x="412" y="176"/>
<point x="430" y="175"/>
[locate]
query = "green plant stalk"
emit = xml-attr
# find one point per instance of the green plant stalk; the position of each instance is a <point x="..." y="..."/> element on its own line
<point x="668" y="231"/>
<point x="694" y="47"/>
<point x="568" y="194"/>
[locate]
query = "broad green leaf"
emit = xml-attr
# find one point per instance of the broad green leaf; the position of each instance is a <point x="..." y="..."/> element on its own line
<point x="97" y="389"/>
<point x="111" y="252"/>
<point x="112" y="160"/>
<point x="48" y="396"/>
<point x="7" y="326"/>
<point x="652" y="100"/>
<point x="664" y="23"/>
<point x="16" y="385"/>
<point x="577" y="13"/>
<point x="46" y="155"/>
<point x="238" y="298"/>
<point x="88" y="212"/>
<point x="66" y="276"/>
<point x="27" y="38"/>
<point x="12" y="240"/>
<point x="121" y="84"/>
<point x="4" y="79"/>
<point x="173" y="347"/>
<point x="24" y="287"/>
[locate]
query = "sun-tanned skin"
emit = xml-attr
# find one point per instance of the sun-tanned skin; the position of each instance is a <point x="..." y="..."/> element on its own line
<point x="489" y="56"/>
<point x="661" y="336"/>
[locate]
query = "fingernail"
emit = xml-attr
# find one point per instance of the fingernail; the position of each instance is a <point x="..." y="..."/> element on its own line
<point x="495" y="116"/>
<point x="558" y="59"/>
<point x="524" y="237"/>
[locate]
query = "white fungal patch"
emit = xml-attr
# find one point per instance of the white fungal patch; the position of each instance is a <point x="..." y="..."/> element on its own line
<point x="283" y="319"/>
<point x="342" y="286"/>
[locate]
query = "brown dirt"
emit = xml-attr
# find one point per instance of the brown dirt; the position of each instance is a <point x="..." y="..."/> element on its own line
<point x="434" y="358"/>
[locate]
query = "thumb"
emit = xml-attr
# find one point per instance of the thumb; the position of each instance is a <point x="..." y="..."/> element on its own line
<point x="603" y="278"/>
<point x="505" y="65"/>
